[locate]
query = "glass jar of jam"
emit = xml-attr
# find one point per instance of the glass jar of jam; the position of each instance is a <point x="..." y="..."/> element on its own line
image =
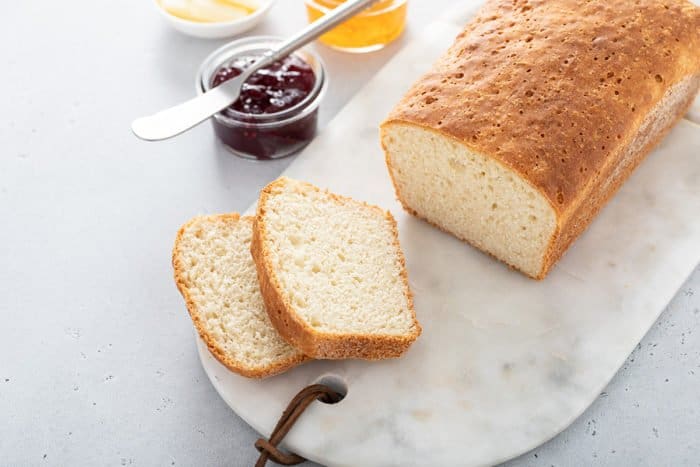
<point x="276" y="114"/>
<point x="368" y="31"/>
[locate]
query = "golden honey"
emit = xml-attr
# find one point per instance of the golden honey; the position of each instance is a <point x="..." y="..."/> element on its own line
<point x="370" y="30"/>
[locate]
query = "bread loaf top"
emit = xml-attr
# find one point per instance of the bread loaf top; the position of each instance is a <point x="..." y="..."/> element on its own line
<point x="554" y="89"/>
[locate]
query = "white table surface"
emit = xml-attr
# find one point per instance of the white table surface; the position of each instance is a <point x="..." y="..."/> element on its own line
<point x="97" y="359"/>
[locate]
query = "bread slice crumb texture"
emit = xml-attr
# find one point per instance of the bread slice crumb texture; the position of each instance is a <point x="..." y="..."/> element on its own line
<point x="335" y="262"/>
<point x="216" y="275"/>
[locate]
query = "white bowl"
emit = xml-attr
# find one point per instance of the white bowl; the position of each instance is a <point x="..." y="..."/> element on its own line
<point x="217" y="30"/>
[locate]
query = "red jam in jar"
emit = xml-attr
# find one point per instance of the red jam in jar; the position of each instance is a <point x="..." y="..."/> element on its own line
<point x="277" y="87"/>
<point x="277" y="111"/>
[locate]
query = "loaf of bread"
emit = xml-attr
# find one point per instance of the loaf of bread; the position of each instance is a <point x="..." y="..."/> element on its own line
<point x="216" y="276"/>
<point x="536" y="115"/>
<point x="332" y="274"/>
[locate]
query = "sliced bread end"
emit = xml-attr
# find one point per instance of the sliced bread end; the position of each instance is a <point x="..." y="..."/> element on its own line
<point x="216" y="276"/>
<point x="332" y="273"/>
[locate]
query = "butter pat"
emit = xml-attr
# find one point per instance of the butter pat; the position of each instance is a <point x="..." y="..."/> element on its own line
<point x="209" y="11"/>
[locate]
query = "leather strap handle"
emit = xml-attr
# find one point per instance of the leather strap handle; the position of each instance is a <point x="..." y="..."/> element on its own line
<point x="268" y="448"/>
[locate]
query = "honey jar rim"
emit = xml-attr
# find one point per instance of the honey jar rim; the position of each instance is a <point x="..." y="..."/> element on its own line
<point x="394" y="5"/>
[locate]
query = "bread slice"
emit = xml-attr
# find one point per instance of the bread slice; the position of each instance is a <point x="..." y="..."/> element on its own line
<point x="531" y="121"/>
<point x="216" y="276"/>
<point x="332" y="273"/>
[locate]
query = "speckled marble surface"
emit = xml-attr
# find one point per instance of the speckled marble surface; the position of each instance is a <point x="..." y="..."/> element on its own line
<point x="646" y="416"/>
<point x="97" y="361"/>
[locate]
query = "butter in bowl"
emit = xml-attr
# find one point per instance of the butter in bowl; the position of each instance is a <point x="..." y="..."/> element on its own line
<point x="213" y="19"/>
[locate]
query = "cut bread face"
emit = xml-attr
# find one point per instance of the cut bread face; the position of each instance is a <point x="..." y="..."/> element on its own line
<point x="472" y="196"/>
<point x="215" y="274"/>
<point x="332" y="273"/>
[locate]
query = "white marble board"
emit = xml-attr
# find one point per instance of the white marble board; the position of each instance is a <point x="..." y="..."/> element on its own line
<point x="504" y="362"/>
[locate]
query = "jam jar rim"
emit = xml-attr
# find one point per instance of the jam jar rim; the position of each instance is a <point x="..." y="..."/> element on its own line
<point x="395" y="5"/>
<point x="245" y="45"/>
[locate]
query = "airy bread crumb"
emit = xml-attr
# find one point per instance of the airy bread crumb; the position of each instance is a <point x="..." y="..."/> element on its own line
<point x="215" y="274"/>
<point x="332" y="273"/>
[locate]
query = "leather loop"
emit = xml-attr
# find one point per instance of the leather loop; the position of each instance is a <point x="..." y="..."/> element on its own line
<point x="268" y="448"/>
<point x="276" y="455"/>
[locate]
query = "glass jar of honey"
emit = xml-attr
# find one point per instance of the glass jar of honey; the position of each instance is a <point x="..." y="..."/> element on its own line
<point x="370" y="30"/>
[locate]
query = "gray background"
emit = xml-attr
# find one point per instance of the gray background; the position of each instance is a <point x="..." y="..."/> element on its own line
<point x="97" y="358"/>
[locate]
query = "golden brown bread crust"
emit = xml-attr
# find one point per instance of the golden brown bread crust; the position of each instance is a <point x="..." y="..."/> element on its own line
<point x="294" y="329"/>
<point x="184" y="285"/>
<point x="596" y="199"/>
<point x="556" y="90"/>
